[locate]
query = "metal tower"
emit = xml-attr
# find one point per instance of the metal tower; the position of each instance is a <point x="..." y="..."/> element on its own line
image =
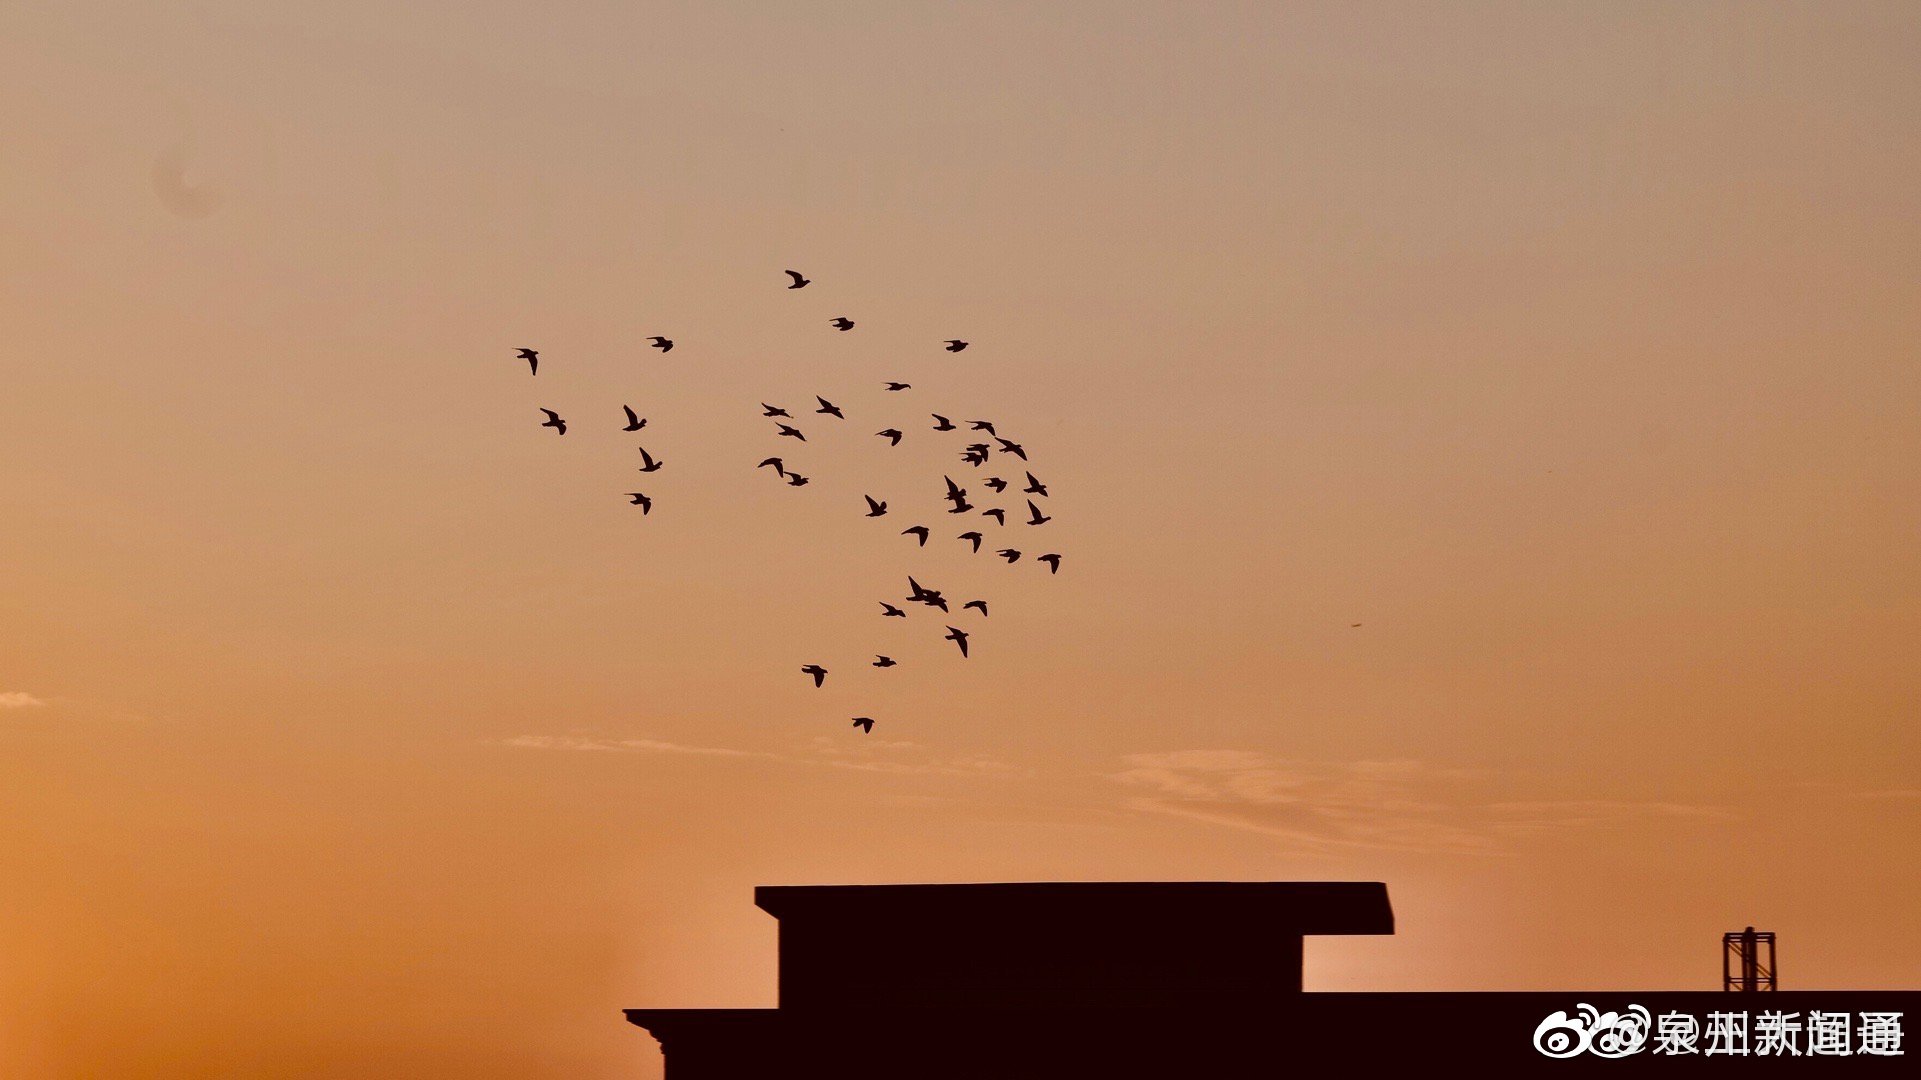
<point x="1747" y="960"/>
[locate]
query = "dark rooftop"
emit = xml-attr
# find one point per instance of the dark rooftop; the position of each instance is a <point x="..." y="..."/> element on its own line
<point x="1303" y="907"/>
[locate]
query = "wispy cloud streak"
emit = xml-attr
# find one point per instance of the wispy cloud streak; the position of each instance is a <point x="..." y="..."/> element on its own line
<point x="1396" y="804"/>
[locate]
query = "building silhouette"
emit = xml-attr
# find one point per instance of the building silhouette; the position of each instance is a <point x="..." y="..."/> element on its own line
<point x="1134" y="979"/>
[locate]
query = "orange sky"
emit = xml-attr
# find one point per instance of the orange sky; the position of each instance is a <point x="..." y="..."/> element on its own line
<point x="350" y="725"/>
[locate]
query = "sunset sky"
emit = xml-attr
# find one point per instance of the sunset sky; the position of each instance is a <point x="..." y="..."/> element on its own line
<point x="351" y="725"/>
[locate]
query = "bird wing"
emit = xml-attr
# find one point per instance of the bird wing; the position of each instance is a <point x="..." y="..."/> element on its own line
<point x="798" y="279"/>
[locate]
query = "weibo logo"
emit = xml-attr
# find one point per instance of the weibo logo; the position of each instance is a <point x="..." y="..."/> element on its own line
<point x="1603" y="1034"/>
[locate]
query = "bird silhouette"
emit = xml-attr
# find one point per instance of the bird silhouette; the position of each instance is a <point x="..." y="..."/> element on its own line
<point x="791" y="433"/>
<point x="1013" y="448"/>
<point x="959" y="637"/>
<point x="1035" y="517"/>
<point x="769" y="410"/>
<point x="944" y="425"/>
<point x="532" y="356"/>
<point x="800" y="282"/>
<point x="979" y="604"/>
<point x="796" y="479"/>
<point x="892" y="436"/>
<point x="1353" y="626"/>
<point x="955" y="493"/>
<point x="889" y="611"/>
<point x="974" y="457"/>
<point x="955" y="344"/>
<point x="982" y="425"/>
<point x="780" y="467"/>
<point x="900" y="386"/>
<point x="828" y="407"/>
<point x="974" y="538"/>
<point x="996" y="483"/>
<point x="1034" y="487"/>
<point x="1010" y="555"/>
<point x="819" y="673"/>
<point x="634" y="423"/>
<point x="883" y="661"/>
<point x="865" y="724"/>
<point x="665" y="345"/>
<point x="648" y="464"/>
<point x="842" y="324"/>
<point x="1053" y="563"/>
<point x="874" y="509"/>
<point x="919" y="532"/>
<point x="646" y="504"/>
<point x="554" y="421"/>
<point x="999" y="515"/>
<point x="930" y="597"/>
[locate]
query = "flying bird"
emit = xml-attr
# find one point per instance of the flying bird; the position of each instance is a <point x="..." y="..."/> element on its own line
<point x="665" y="345"/>
<point x="828" y="407"/>
<point x="983" y="425"/>
<point x="996" y="483"/>
<point x="944" y="425"/>
<point x="532" y="356"/>
<point x="1013" y="448"/>
<point x="1353" y="626"/>
<point x="974" y="458"/>
<point x="1053" y="563"/>
<point x="648" y="462"/>
<point x="930" y="597"/>
<point x="646" y="504"/>
<point x="554" y="421"/>
<point x="800" y="282"/>
<point x="874" y="509"/>
<point x="865" y="724"/>
<point x="883" y="661"/>
<point x="891" y="435"/>
<point x="955" y="344"/>
<point x="981" y="604"/>
<point x="1010" y="555"/>
<point x="999" y="515"/>
<point x="889" y="611"/>
<point x="792" y="433"/>
<point x="959" y="637"/>
<point x="919" y="532"/>
<point x="842" y="324"/>
<point x="769" y="410"/>
<point x="1035" y="515"/>
<point x="974" y="538"/>
<point x="634" y="423"/>
<point x="819" y="673"/>
<point x="955" y="493"/>
<point x="1034" y="487"/>
<point x="900" y="386"/>
<point x="796" y="479"/>
<point x="780" y="467"/>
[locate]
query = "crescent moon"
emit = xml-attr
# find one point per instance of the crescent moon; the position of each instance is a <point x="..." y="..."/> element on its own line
<point x="180" y="198"/>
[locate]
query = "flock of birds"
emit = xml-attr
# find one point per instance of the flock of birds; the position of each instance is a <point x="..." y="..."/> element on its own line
<point x="974" y="454"/>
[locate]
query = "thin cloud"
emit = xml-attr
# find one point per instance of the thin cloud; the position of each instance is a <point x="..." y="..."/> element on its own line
<point x="1392" y="804"/>
<point x="19" y="699"/>
<point x="877" y="756"/>
<point x="1891" y="795"/>
<point x="632" y="746"/>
